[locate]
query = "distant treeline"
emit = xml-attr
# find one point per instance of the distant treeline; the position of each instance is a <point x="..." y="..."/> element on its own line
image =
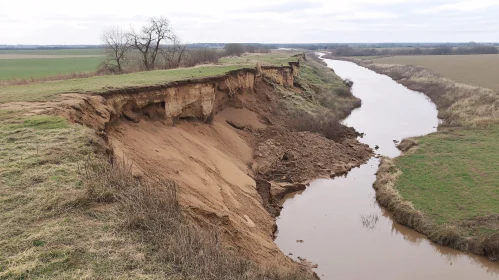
<point x="439" y="50"/>
<point x="306" y="46"/>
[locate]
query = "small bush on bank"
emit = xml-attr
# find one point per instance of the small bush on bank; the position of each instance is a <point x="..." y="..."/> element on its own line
<point x="325" y="124"/>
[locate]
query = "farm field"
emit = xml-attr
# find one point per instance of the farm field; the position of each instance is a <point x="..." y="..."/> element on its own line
<point x="43" y="91"/>
<point x="27" y="64"/>
<point x="477" y="70"/>
<point x="73" y="52"/>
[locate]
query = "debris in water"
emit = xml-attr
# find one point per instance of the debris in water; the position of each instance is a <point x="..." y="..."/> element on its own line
<point x="376" y="147"/>
<point x="369" y="221"/>
<point x="299" y="241"/>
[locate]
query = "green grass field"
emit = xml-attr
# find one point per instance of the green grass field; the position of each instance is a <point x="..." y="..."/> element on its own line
<point x="453" y="176"/>
<point x="265" y="59"/>
<point x="32" y="64"/>
<point x="43" y="91"/>
<point x="55" y="52"/>
<point x="44" y="67"/>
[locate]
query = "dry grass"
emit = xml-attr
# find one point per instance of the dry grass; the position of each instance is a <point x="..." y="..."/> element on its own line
<point x="323" y="87"/>
<point x="477" y="70"/>
<point x="63" y="219"/>
<point x="323" y="98"/>
<point x="48" y="229"/>
<point x="180" y="250"/>
<point x="406" y="144"/>
<point x="325" y="124"/>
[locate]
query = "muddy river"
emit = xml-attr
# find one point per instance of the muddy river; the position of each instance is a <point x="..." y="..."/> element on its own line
<point x="344" y="231"/>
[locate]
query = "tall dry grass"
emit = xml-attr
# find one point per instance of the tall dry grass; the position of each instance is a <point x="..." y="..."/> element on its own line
<point x="151" y="214"/>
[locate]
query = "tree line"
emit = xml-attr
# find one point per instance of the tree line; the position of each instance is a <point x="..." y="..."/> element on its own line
<point x="437" y="50"/>
<point x="156" y="46"/>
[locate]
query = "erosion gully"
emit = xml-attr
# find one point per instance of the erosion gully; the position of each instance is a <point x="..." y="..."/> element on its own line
<point x="337" y="223"/>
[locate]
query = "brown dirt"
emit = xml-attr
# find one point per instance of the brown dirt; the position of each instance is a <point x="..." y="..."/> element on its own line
<point x="293" y="158"/>
<point x="215" y="166"/>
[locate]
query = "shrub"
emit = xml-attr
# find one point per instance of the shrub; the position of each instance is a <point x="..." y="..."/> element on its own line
<point x="200" y="56"/>
<point x="325" y="124"/>
<point x="234" y="49"/>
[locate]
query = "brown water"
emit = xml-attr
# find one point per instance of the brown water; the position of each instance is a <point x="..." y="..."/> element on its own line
<point x="344" y="231"/>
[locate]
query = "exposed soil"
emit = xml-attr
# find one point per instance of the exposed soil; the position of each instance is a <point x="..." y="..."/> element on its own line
<point x="232" y="171"/>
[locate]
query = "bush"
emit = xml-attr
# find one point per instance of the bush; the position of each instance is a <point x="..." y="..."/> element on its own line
<point x="234" y="49"/>
<point x="195" y="57"/>
<point x="325" y="124"/>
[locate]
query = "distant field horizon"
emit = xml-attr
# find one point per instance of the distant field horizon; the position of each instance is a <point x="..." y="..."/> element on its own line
<point x="478" y="70"/>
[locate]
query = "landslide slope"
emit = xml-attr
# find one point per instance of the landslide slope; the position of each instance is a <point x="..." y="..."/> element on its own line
<point x="96" y="219"/>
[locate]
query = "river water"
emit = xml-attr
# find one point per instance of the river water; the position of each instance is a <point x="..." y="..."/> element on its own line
<point x="343" y="229"/>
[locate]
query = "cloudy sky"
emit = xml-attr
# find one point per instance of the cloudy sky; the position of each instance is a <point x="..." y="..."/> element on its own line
<point x="266" y="21"/>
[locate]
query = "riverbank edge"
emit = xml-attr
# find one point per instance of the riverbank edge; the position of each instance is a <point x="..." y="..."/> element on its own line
<point x="386" y="194"/>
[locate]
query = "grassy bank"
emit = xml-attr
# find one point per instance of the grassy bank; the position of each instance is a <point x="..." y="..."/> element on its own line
<point x="446" y="186"/>
<point x="322" y="93"/>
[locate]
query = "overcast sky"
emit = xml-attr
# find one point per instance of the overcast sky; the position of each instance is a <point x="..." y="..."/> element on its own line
<point x="265" y="21"/>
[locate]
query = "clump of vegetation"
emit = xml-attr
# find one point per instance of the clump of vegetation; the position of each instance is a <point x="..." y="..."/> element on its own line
<point x="325" y="124"/>
<point x="323" y="87"/>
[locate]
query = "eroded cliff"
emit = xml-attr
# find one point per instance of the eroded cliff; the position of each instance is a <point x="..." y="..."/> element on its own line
<point x="202" y="134"/>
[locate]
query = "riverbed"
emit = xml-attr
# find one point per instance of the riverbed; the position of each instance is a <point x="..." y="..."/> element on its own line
<point x="337" y="223"/>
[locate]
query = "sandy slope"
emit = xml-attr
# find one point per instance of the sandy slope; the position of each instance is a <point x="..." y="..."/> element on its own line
<point x="210" y="164"/>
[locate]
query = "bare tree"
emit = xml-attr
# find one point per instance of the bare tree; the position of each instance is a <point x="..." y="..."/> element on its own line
<point x="117" y="45"/>
<point x="148" y="40"/>
<point x="172" y="53"/>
